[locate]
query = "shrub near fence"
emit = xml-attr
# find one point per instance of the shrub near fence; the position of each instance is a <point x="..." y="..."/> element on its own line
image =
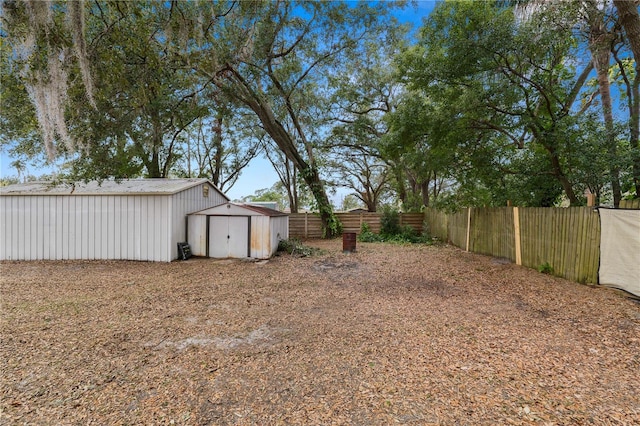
<point x="566" y="239"/>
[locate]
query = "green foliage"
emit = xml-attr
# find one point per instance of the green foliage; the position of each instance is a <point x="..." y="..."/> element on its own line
<point x="507" y="118"/>
<point x="350" y="202"/>
<point x="545" y="268"/>
<point x="474" y="113"/>
<point x="276" y="193"/>
<point x="294" y="247"/>
<point x="368" y="236"/>
<point x="9" y="180"/>
<point x="404" y="234"/>
<point x="408" y="235"/>
<point x="333" y="227"/>
<point x="390" y="222"/>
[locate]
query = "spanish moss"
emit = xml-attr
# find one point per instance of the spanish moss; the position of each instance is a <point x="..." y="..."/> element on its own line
<point x="75" y="13"/>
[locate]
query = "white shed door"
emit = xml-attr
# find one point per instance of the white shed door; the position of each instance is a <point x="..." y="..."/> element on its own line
<point x="228" y="236"/>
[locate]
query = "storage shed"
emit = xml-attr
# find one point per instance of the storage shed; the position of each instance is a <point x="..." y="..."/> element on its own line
<point x="141" y="219"/>
<point x="237" y="231"/>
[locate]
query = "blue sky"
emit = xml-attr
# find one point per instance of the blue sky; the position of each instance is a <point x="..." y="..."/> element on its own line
<point x="259" y="174"/>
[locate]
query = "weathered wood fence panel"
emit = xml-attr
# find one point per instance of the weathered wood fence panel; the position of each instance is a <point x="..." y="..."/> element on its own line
<point x="414" y="220"/>
<point x="457" y="233"/>
<point x="438" y="223"/>
<point x="305" y="225"/>
<point x="308" y="225"/>
<point x="352" y="222"/>
<point x="630" y="204"/>
<point x="492" y="232"/>
<point x="566" y="239"/>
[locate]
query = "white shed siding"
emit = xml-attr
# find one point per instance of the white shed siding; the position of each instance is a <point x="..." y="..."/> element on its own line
<point x="266" y="233"/>
<point x="40" y="222"/>
<point x="197" y="237"/>
<point x="260" y="244"/>
<point x="279" y="231"/>
<point x="85" y="227"/>
<point x="185" y="202"/>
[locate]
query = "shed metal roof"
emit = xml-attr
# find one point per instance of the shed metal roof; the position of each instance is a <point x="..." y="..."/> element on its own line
<point x="107" y="187"/>
<point x="255" y="210"/>
<point x="266" y="211"/>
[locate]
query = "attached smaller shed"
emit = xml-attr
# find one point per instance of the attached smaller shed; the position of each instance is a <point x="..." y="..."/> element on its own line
<point x="236" y="231"/>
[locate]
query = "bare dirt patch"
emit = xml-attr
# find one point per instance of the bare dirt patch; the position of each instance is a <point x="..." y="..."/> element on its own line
<point x="390" y="334"/>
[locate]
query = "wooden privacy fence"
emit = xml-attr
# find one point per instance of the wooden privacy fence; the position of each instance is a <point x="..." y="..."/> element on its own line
<point x="630" y="204"/>
<point x="566" y="239"/>
<point x="308" y="225"/>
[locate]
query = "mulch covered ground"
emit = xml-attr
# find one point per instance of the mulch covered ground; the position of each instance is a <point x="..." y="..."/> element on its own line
<point x="389" y="335"/>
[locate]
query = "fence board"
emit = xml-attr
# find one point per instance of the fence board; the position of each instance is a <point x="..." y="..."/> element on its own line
<point x="414" y="220"/>
<point x="493" y="232"/>
<point x="351" y="222"/>
<point x="304" y="225"/>
<point x="457" y="233"/>
<point x="630" y="204"/>
<point x="568" y="239"/>
<point x="437" y="222"/>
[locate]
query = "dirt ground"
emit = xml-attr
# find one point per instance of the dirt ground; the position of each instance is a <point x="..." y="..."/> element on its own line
<point x="425" y="335"/>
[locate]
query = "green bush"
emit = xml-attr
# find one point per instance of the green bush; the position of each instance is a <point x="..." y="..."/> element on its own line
<point x="545" y="268"/>
<point x="404" y="235"/>
<point x="334" y="227"/>
<point x="390" y="222"/>
<point x="367" y="236"/>
<point x="294" y="247"/>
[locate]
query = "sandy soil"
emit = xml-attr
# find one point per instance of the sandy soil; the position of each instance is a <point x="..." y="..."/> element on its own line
<point x="389" y="335"/>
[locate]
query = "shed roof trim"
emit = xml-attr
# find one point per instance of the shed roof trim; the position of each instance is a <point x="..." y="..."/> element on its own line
<point x="263" y="211"/>
<point x="107" y="187"/>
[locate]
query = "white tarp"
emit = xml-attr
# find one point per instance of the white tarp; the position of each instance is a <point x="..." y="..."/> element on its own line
<point x="620" y="249"/>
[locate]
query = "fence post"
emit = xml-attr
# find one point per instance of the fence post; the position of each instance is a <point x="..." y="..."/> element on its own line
<point x="516" y="233"/>
<point x="468" y="227"/>
<point x="306" y="225"/>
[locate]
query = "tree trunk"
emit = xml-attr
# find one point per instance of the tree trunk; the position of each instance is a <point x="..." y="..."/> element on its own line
<point x="401" y="188"/>
<point x="634" y="127"/>
<point x="369" y="199"/>
<point x="562" y="178"/>
<point x="546" y="138"/>
<point x="424" y="188"/>
<point x="309" y="172"/>
<point x="151" y="160"/>
<point x="217" y="151"/>
<point x="600" y="46"/>
<point x="292" y="188"/>
<point x="629" y="18"/>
